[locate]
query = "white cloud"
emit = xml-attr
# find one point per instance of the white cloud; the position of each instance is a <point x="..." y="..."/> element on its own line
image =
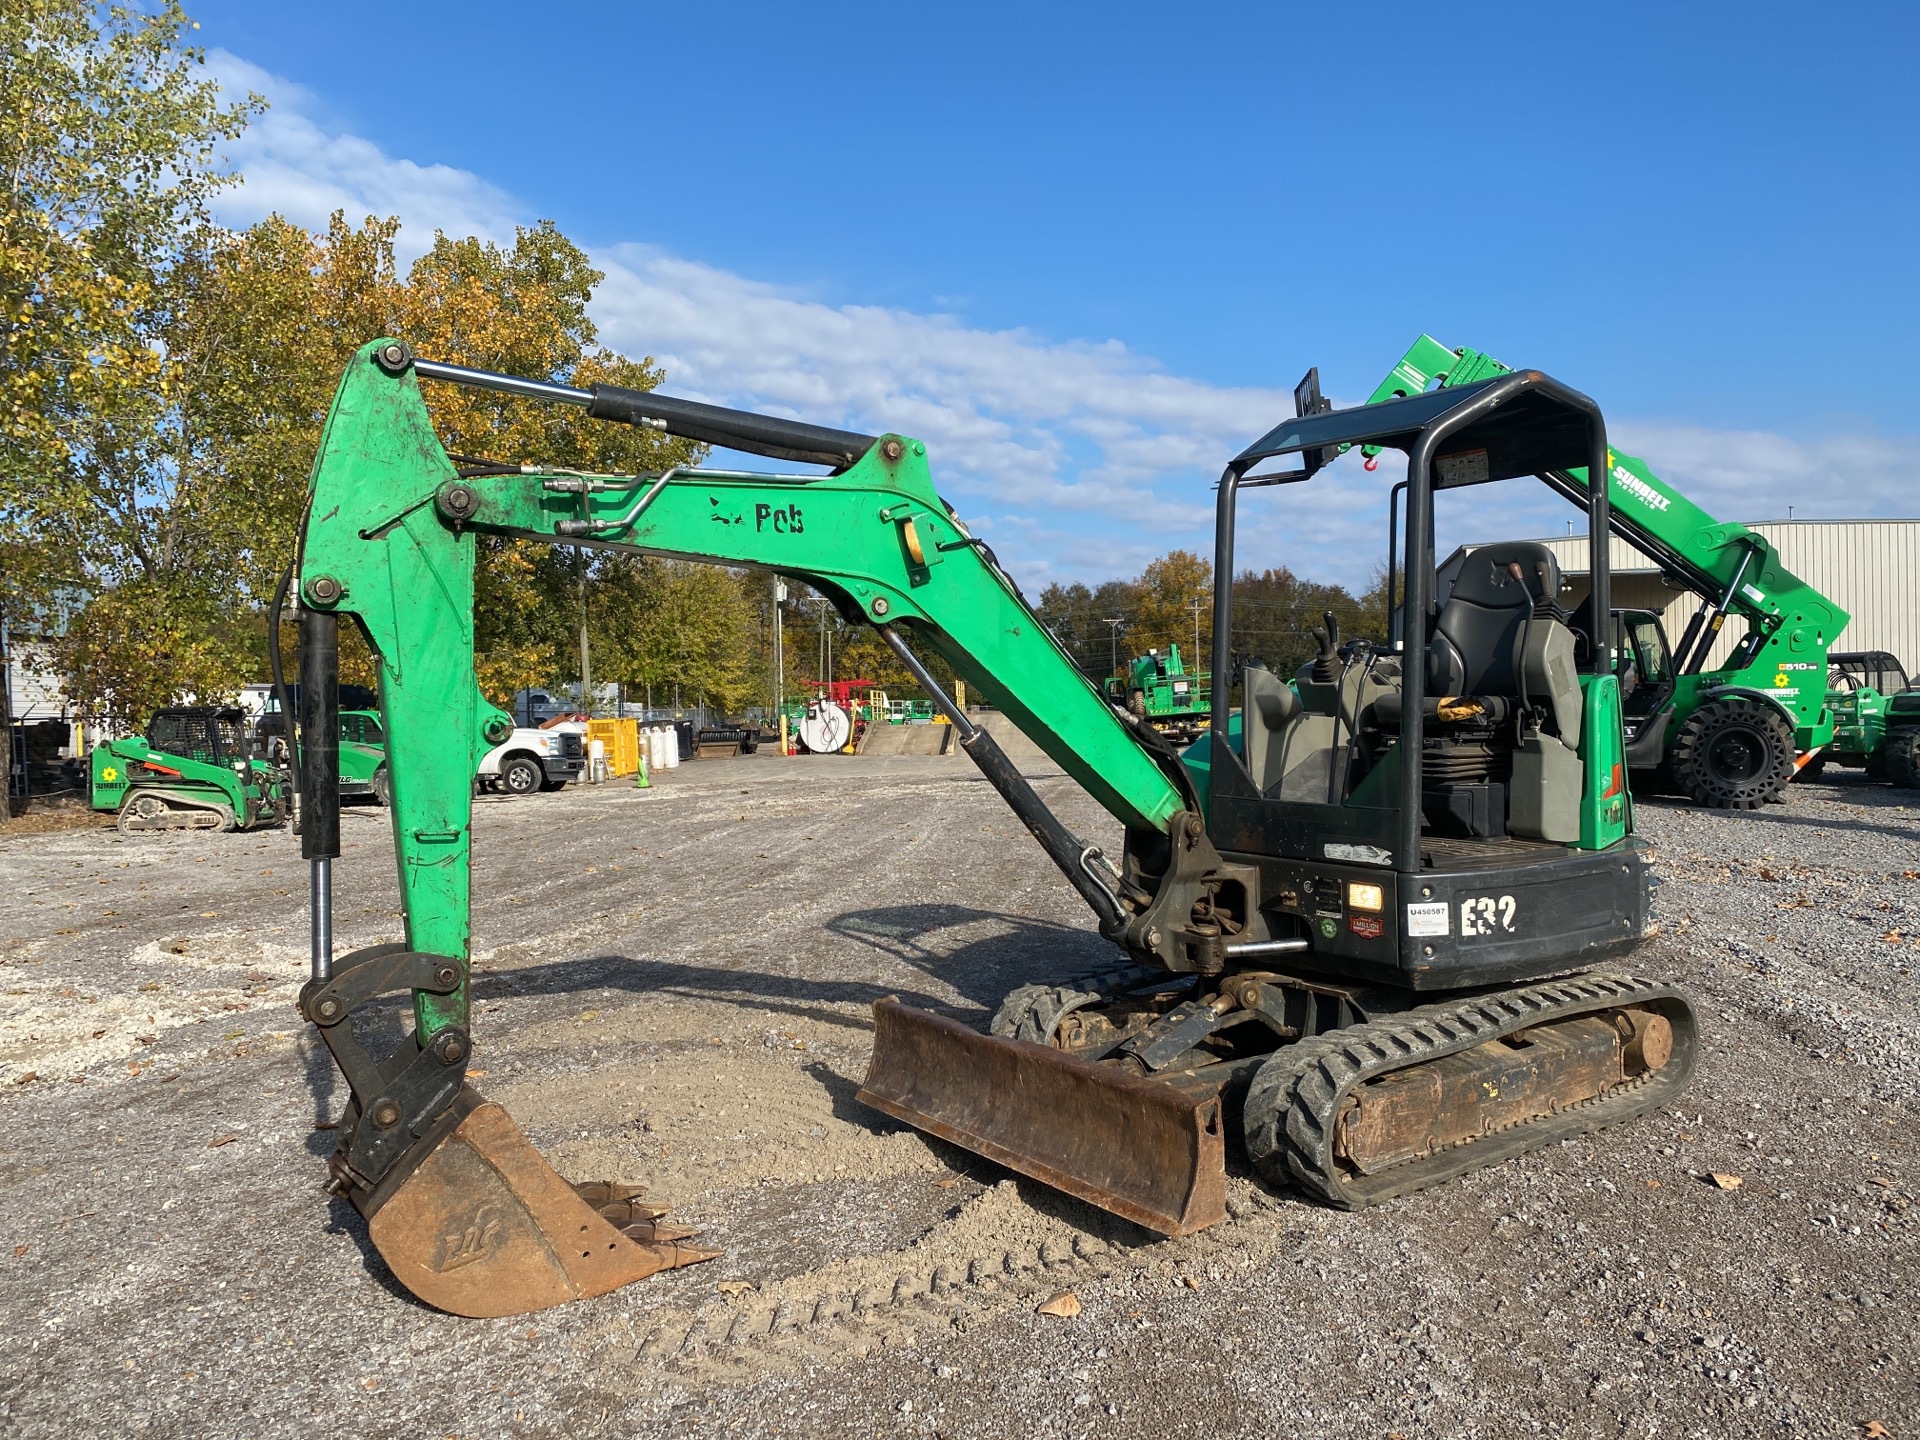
<point x="298" y="166"/>
<point x="1075" y="459"/>
<point x="1014" y="420"/>
<point x="1757" y="475"/>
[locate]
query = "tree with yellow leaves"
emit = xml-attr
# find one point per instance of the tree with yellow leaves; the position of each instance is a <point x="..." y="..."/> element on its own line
<point x="108" y="159"/>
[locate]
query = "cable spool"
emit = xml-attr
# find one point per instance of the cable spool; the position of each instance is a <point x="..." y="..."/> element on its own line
<point x="825" y="728"/>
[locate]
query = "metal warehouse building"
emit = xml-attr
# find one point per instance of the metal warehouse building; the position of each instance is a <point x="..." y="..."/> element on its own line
<point x="1866" y="567"/>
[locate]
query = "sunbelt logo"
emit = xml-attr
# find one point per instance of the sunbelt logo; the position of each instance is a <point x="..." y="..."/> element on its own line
<point x="1639" y="488"/>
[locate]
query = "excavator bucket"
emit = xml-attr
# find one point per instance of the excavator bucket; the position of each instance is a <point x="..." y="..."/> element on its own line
<point x="1146" y="1151"/>
<point x="480" y="1225"/>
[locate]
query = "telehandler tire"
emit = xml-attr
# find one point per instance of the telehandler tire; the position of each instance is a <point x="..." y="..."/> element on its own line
<point x="1733" y="754"/>
<point x="1902" y="752"/>
<point x="381" y="786"/>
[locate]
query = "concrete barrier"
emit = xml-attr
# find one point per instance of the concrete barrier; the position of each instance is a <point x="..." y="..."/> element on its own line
<point x="907" y="740"/>
<point x="1026" y="755"/>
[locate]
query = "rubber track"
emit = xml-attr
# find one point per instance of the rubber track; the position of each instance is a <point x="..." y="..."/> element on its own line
<point x="1295" y="1098"/>
<point x="1034" y="1012"/>
<point x="182" y="814"/>
<point x="733" y="1339"/>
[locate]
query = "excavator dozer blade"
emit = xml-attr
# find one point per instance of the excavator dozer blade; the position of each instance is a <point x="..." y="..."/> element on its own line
<point x="1143" y="1150"/>
<point x="479" y="1225"/>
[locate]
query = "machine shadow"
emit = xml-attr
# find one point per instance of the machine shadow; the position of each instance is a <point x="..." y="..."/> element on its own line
<point x="981" y="970"/>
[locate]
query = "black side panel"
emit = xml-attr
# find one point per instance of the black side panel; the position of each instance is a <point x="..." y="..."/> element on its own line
<point x="1482" y="923"/>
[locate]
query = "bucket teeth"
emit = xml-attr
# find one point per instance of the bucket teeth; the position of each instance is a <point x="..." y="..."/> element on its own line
<point x="480" y="1225"/>
<point x="619" y="1205"/>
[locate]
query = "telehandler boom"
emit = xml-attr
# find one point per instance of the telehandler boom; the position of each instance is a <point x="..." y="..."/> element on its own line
<point x="1351" y="915"/>
<point x="1732" y="736"/>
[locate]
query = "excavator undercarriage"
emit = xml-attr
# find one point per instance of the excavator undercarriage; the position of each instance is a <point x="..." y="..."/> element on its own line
<point x="1350" y="920"/>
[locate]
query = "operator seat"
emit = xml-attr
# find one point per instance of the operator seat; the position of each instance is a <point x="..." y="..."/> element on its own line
<point x="1501" y="635"/>
<point x="1478" y="630"/>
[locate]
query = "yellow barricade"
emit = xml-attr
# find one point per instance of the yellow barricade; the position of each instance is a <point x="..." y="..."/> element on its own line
<point x="622" y="740"/>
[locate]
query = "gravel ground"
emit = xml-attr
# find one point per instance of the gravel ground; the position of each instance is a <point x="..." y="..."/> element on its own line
<point x="674" y="988"/>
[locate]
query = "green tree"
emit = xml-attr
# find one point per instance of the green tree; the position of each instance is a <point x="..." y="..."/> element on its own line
<point x="264" y="321"/>
<point x="1275" y="613"/>
<point x="522" y="310"/>
<point x="1176" y="599"/>
<point x="108" y="156"/>
<point x="674" y="627"/>
<point x="1095" y="625"/>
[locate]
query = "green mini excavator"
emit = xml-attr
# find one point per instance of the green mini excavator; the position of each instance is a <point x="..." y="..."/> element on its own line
<point x="1362" y="919"/>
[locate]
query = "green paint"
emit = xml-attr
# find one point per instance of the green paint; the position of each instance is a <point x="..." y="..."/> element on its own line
<point x="857" y="533"/>
<point x="1606" y="807"/>
<point x="408" y="581"/>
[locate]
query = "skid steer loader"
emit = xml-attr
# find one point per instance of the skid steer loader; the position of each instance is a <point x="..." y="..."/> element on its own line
<point x="1358" y="919"/>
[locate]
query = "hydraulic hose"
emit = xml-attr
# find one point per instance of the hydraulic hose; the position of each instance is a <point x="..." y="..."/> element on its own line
<point x="280" y="693"/>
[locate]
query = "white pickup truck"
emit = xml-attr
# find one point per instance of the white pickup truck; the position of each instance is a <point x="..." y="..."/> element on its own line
<point x="530" y="760"/>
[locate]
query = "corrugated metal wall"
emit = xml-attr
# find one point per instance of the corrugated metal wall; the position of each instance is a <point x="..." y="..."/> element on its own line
<point x="1870" y="568"/>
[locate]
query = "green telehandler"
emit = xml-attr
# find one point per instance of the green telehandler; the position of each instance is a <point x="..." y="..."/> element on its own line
<point x="1364" y="919"/>
<point x="1157" y="688"/>
<point x="1732" y="736"/>
<point x="194" y="769"/>
<point x="1876" y="718"/>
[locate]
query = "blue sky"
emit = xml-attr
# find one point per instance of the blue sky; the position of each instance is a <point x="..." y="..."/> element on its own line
<point x="1085" y="251"/>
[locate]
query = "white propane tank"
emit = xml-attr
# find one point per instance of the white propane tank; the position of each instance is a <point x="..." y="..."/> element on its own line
<point x="670" y="738"/>
<point x="597" y="761"/>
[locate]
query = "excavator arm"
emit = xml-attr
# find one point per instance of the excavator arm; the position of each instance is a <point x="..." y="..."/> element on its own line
<point x="468" y="1215"/>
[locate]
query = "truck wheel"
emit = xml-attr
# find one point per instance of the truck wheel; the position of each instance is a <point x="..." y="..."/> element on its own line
<point x="1137" y="704"/>
<point x="1733" y="754"/>
<point x="520" y="776"/>
<point x="1903" y="758"/>
<point x="381" y="786"/>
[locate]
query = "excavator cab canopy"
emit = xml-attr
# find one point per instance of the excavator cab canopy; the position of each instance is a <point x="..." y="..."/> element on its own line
<point x="1518" y="424"/>
<point x="1521" y="423"/>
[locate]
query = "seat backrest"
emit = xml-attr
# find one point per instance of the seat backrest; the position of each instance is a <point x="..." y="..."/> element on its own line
<point x="1271" y="707"/>
<point x="1475" y="639"/>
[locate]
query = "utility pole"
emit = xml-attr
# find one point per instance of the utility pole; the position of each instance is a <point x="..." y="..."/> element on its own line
<point x="779" y="647"/>
<point x="1194" y="663"/>
<point x="586" y="663"/>
<point x="1113" y="623"/>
